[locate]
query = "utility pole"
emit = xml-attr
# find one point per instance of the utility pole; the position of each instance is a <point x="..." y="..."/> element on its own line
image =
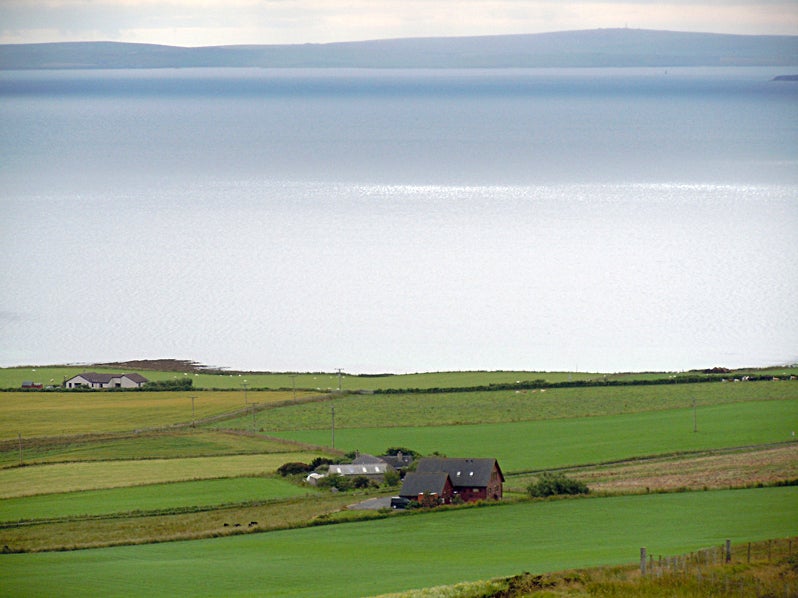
<point x="293" y="384"/>
<point x="695" y="418"/>
<point x="339" y="378"/>
<point x="19" y="434"/>
<point x="244" y="384"/>
<point x="193" y="420"/>
<point x="253" y="418"/>
<point x="333" y="426"/>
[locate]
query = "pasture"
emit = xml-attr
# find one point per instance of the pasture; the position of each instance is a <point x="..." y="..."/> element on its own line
<point x="12" y="378"/>
<point x="415" y="551"/>
<point x="95" y="475"/>
<point x="559" y="443"/>
<point x="457" y="408"/>
<point x="176" y="496"/>
<point x="188" y="442"/>
<point x="102" y="469"/>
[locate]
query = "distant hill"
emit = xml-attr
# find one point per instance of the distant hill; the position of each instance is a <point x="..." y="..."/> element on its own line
<point x="591" y="48"/>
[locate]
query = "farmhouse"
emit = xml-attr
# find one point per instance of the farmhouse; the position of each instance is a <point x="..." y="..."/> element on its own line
<point x="364" y="465"/>
<point x="95" y="380"/>
<point x="469" y="479"/>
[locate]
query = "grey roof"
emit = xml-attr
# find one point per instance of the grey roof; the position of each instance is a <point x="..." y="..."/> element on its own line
<point x="416" y="483"/>
<point x="361" y="469"/>
<point x="96" y="378"/>
<point x="463" y="472"/>
<point x="364" y="458"/>
<point x="398" y="461"/>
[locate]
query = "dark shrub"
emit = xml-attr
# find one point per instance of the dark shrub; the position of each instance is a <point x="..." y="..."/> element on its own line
<point x="175" y="384"/>
<point x="319" y="461"/>
<point x="293" y="468"/>
<point x="361" y="481"/>
<point x="554" y="484"/>
<point x="392" y="478"/>
<point x="339" y="482"/>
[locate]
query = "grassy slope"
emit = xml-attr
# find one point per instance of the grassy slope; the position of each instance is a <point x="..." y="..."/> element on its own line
<point x="55" y="375"/>
<point x="384" y="411"/>
<point x="414" y="551"/>
<point x="169" y="445"/>
<point x="536" y="445"/>
<point x="156" y="497"/>
<point x="71" y="477"/>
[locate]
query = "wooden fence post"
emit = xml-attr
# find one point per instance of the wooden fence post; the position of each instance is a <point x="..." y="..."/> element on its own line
<point x="643" y="560"/>
<point x="728" y="551"/>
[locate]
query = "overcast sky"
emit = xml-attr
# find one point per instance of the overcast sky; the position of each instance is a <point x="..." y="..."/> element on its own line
<point x="218" y="22"/>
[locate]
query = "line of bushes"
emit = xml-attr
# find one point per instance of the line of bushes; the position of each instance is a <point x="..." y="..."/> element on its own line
<point x="539" y="383"/>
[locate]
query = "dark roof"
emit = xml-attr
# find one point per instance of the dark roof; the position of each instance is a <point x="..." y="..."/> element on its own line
<point x="416" y="483"/>
<point x="398" y="461"/>
<point x="365" y="458"/>
<point x="463" y="472"/>
<point x="138" y="378"/>
<point x="96" y="378"/>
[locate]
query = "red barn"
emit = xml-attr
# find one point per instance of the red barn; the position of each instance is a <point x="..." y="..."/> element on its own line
<point x="471" y="479"/>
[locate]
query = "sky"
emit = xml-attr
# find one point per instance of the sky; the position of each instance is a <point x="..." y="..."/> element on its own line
<point x="224" y="22"/>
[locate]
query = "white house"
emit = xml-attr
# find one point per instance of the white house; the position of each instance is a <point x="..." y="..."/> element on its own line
<point x="95" y="380"/>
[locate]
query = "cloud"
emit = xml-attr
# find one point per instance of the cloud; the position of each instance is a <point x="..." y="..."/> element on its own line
<point x="212" y="22"/>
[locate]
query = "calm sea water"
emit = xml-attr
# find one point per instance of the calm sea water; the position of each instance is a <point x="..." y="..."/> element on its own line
<point x="622" y="219"/>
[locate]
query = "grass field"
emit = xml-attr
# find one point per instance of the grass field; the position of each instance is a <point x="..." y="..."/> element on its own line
<point x="718" y="469"/>
<point x="155" y="497"/>
<point x="406" y="410"/>
<point x="400" y="553"/>
<point x="537" y="445"/>
<point x="153" y="445"/>
<point x="72" y="477"/>
<point x="55" y="375"/>
<point x="119" y="459"/>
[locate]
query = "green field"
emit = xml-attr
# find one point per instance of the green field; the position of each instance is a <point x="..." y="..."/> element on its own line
<point x="155" y="497"/>
<point x="407" y="410"/>
<point x="154" y="445"/>
<point x="55" y="375"/>
<point x="110" y="468"/>
<point x="537" y="445"/>
<point x="93" y="475"/>
<point x="399" y="553"/>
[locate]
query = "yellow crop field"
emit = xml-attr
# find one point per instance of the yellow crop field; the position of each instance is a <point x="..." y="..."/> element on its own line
<point x="55" y="414"/>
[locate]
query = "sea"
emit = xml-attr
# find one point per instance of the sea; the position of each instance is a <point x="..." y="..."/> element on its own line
<point x="391" y="221"/>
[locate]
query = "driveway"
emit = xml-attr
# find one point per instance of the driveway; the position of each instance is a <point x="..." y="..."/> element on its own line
<point x="372" y="504"/>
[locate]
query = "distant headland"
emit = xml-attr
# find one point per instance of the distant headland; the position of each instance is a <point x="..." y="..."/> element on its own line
<point x="587" y="48"/>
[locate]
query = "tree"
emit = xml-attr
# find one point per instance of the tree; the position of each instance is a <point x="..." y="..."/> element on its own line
<point x="392" y="478"/>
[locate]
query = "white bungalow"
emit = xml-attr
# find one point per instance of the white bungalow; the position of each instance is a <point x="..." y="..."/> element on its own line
<point x="95" y="380"/>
